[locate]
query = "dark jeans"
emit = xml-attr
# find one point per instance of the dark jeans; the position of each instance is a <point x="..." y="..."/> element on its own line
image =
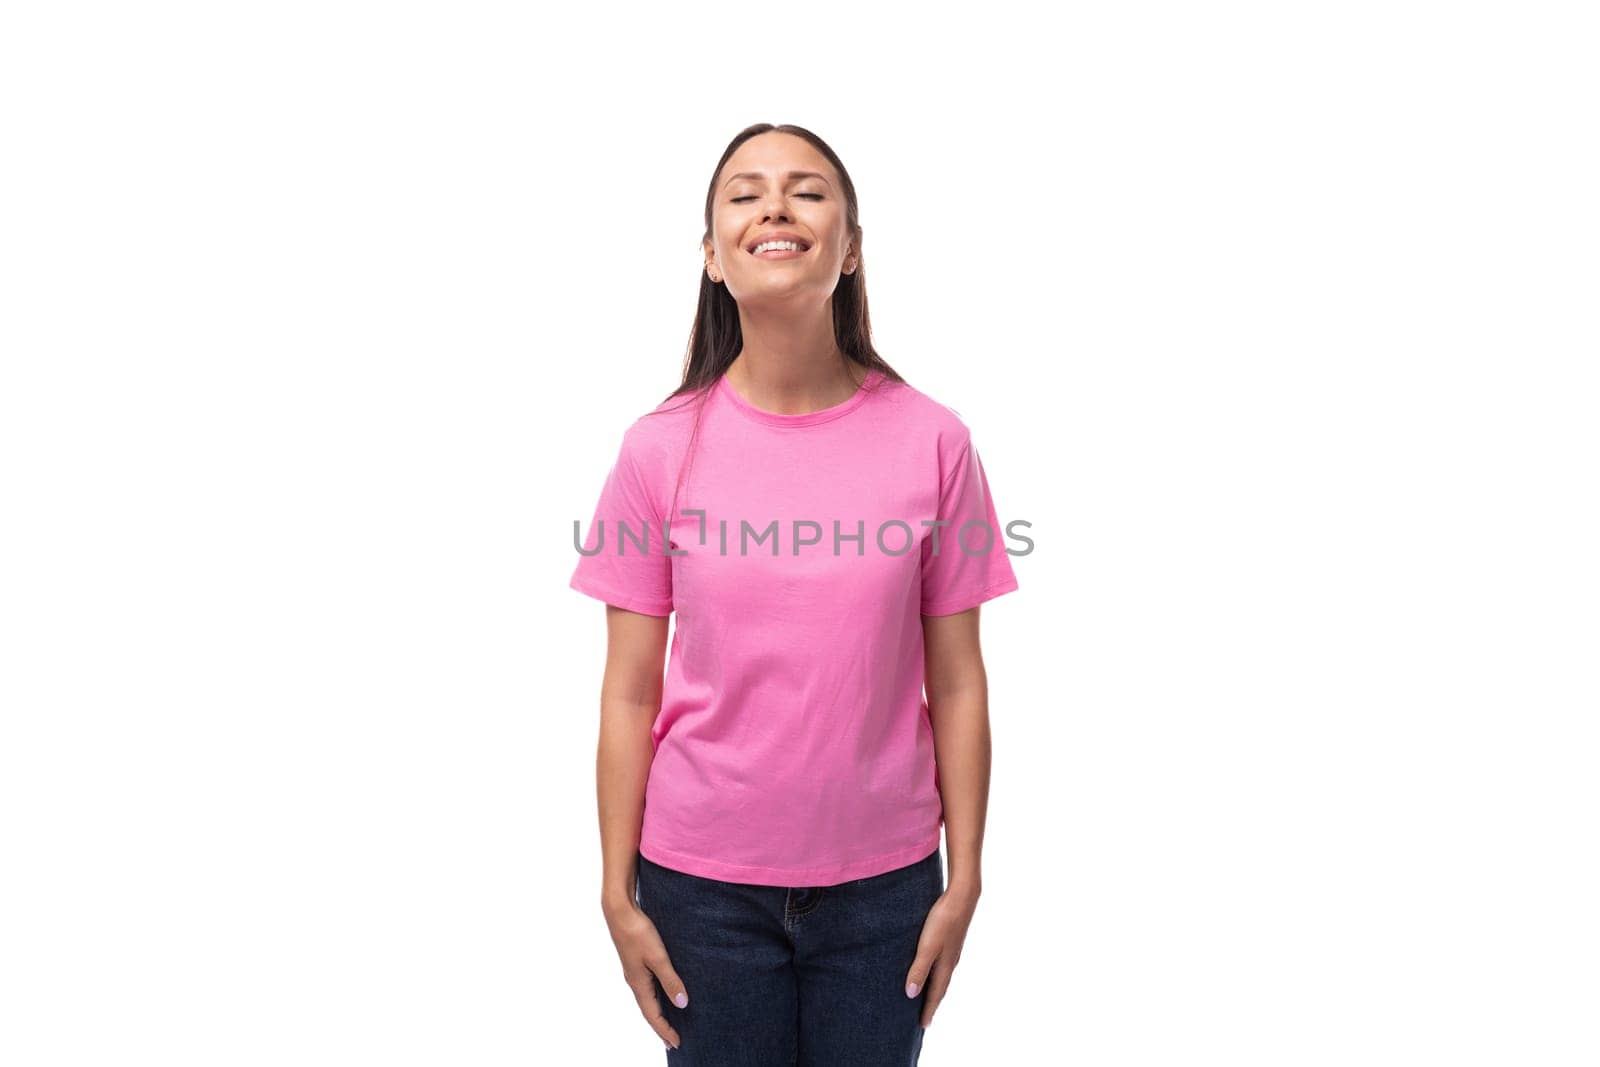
<point x="808" y="976"/>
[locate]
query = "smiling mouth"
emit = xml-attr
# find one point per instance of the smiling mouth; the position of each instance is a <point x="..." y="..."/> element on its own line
<point x="781" y="253"/>
<point x="778" y="239"/>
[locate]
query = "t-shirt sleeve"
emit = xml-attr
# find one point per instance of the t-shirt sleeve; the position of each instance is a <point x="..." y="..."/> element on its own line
<point x="970" y="564"/>
<point x="619" y="571"/>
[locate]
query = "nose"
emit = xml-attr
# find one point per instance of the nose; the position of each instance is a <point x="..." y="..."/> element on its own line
<point x="774" y="210"/>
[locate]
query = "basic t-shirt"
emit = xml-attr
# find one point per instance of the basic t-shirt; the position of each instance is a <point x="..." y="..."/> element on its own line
<point x="794" y="745"/>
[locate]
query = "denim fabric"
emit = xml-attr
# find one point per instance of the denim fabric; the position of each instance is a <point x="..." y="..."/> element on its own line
<point x="806" y="976"/>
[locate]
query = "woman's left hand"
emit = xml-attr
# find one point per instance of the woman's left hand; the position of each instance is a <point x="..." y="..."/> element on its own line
<point x="939" y="948"/>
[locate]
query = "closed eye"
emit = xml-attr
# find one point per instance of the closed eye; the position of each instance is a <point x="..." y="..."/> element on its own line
<point x="811" y="196"/>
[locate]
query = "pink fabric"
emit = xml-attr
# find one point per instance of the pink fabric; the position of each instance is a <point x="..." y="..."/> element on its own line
<point x="794" y="745"/>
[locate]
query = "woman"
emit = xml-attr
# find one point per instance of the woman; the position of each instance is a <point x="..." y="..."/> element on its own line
<point x="770" y="813"/>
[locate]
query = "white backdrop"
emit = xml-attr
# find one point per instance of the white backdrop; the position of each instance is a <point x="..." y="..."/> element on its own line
<point x="321" y="324"/>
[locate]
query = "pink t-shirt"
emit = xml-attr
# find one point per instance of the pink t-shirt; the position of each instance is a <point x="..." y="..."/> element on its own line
<point x="794" y="745"/>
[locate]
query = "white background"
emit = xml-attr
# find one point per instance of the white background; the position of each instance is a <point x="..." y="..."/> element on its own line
<point x="321" y="324"/>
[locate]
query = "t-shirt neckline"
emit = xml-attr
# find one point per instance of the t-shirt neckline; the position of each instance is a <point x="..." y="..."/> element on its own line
<point x="809" y="418"/>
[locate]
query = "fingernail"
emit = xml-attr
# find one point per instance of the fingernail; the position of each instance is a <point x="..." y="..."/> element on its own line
<point x="681" y="1000"/>
<point x="911" y="989"/>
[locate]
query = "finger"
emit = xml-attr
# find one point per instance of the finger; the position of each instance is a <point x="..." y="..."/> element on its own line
<point x="670" y="982"/>
<point x="644" y="991"/>
<point x="938" y="983"/>
<point x="917" y="977"/>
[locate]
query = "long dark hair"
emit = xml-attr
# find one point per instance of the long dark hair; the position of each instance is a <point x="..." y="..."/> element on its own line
<point x="716" y="337"/>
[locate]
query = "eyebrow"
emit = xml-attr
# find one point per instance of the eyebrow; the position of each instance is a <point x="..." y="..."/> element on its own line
<point x="794" y="175"/>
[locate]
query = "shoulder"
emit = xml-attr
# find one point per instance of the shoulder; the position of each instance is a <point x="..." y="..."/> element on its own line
<point x="662" y="433"/>
<point x="920" y="417"/>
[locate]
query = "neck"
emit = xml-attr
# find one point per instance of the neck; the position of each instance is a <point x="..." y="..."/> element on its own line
<point x="792" y="364"/>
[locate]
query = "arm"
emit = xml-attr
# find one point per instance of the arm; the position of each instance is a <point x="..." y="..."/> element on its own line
<point x="958" y="703"/>
<point x="958" y="700"/>
<point x="630" y="699"/>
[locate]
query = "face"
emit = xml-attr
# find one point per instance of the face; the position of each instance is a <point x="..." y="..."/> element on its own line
<point x="776" y="183"/>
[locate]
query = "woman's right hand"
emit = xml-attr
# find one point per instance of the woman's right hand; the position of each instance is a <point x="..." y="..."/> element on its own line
<point x="644" y="959"/>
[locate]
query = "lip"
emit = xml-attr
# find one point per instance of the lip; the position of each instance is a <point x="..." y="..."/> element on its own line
<point x="779" y="235"/>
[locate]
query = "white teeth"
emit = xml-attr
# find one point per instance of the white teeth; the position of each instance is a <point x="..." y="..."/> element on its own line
<point x="766" y="246"/>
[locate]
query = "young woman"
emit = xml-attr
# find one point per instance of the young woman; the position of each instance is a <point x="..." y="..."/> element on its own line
<point x="770" y="813"/>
